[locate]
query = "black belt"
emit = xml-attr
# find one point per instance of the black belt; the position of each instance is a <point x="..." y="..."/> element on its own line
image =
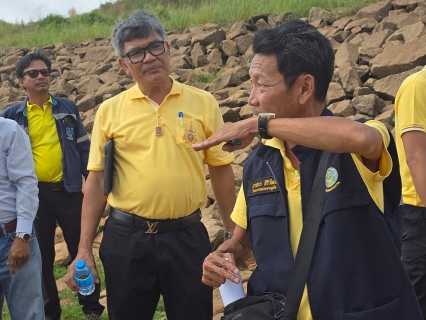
<point x="154" y="226"/>
<point x="10" y="227"/>
<point x="51" y="185"/>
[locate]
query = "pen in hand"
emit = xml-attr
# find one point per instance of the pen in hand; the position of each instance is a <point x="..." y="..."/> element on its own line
<point x="235" y="142"/>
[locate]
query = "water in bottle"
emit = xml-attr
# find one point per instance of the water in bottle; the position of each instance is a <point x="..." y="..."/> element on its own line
<point x="84" y="278"/>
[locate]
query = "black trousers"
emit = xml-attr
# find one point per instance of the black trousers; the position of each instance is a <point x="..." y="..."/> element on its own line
<point x="139" y="267"/>
<point x="64" y="208"/>
<point x="414" y="250"/>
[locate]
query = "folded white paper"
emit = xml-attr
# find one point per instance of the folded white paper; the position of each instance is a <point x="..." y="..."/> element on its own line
<point x="231" y="291"/>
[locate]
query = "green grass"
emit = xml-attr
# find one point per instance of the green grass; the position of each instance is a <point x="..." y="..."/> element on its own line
<point x="71" y="309"/>
<point x="174" y="14"/>
<point x="206" y="77"/>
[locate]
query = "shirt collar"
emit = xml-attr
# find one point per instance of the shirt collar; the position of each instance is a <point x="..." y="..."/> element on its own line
<point x="274" y="143"/>
<point x="136" y="93"/>
<point x="50" y="102"/>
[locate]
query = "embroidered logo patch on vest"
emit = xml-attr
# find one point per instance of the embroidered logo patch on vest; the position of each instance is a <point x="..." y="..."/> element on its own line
<point x="263" y="185"/>
<point x="331" y="177"/>
<point x="190" y="136"/>
<point x="70" y="132"/>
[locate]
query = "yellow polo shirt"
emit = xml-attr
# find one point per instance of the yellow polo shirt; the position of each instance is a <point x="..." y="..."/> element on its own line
<point x="373" y="181"/>
<point x="47" y="151"/>
<point x="158" y="176"/>
<point x="410" y="115"/>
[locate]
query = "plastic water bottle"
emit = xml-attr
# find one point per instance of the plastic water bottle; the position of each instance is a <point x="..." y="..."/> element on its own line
<point x="84" y="278"/>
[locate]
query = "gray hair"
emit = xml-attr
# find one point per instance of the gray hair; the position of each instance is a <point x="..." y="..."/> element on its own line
<point x="139" y="25"/>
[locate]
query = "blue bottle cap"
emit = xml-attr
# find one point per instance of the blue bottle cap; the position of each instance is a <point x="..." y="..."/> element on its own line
<point x="80" y="264"/>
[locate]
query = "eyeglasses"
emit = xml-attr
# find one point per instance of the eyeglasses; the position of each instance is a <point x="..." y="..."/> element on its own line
<point x="34" y="73"/>
<point x="156" y="48"/>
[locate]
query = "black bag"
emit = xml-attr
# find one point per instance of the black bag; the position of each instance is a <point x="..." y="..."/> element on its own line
<point x="270" y="305"/>
<point x="265" y="306"/>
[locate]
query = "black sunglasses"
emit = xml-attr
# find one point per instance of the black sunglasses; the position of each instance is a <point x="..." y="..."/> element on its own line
<point x="34" y="73"/>
<point x="156" y="48"/>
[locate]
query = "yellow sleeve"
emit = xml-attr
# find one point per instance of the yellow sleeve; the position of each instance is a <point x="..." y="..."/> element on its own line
<point x="239" y="214"/>
<point x="410" y="104"/>
<point x="97" y="143"/>
<point x="373" y="180"/>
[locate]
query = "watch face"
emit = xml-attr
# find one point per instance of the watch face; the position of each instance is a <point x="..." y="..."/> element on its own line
<point x="267" y="115"/>
<point x="23" y="236"/>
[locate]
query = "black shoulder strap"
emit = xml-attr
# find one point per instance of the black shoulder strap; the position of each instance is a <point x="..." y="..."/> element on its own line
<point x="308" y="238"/>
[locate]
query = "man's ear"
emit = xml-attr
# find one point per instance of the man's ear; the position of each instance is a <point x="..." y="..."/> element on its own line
<point x="21" y="82"/>
<point x="167" y="48"/>
<point x="123" y="65"/>
<point x="306" y="84"/>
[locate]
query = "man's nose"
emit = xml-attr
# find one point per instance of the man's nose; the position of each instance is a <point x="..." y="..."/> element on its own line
<point x="252" y="100"/>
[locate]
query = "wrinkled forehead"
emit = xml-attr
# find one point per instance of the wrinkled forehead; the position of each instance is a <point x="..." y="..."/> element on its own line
<point x="264" y="66"/>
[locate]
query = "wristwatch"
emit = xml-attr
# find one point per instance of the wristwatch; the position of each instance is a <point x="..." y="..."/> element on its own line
<point x="262" y="122"/>
<point x="228" y="234"/>
<point x="24" y="236"/>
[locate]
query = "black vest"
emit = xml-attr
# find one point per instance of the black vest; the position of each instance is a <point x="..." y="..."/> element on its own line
<point x="356" y="270"/>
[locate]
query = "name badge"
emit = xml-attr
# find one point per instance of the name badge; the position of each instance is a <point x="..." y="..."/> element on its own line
<point x="263" y="185"/>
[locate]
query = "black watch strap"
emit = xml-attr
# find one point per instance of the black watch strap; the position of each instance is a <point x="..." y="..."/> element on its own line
<point x="262" y="123"/>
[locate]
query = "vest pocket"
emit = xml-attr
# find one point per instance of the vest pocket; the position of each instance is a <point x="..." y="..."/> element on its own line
<point x="347" y="200"/>
<point x="389" y="308"/>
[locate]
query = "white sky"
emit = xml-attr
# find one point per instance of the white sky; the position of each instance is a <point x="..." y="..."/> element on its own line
<point x="16" y="11"/>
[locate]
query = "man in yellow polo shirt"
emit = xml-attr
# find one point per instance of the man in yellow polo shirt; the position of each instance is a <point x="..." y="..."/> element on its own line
<point x="356" y="271"/>
<point x="154" y="242"/>
<point x="410" y="137"/>
<point x="60" y="148"/>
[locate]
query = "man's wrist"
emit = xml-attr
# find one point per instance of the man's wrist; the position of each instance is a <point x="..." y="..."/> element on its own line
<point x="263" y="119"/>
<point x="24" y="236"/>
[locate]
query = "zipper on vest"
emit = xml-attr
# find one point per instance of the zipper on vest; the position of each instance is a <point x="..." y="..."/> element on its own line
<point x="285" y="201"/>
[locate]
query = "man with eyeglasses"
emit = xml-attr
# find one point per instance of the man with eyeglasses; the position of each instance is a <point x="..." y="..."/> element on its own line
<point x="154" y="242"/>
<point x="60" y="148"/>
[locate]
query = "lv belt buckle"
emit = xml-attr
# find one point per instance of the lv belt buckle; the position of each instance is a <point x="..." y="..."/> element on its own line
<point x="151" y="227"/>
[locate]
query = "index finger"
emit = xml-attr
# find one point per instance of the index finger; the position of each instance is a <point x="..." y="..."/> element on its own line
<point x="206" y="144"/>
<point x="69" y="278"/>
<point x="12" y="265"/>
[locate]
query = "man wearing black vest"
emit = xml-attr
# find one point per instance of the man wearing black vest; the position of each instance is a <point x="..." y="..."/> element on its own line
<point x="356" y="270"/>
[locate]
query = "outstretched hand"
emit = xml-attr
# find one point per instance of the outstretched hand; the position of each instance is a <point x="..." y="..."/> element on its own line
<point x="244" y="131"/>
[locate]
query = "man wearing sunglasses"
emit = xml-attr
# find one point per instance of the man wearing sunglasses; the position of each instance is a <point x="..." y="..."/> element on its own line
<point x="60" y="148"/>
<point x="154" y="242"/>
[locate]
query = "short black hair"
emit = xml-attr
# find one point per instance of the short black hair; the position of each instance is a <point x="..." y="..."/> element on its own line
<point x="300" y="49"/>
<point x="30" y="57"/>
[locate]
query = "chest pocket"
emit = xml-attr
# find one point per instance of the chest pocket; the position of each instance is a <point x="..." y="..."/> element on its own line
<point x="188" y="132"/>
